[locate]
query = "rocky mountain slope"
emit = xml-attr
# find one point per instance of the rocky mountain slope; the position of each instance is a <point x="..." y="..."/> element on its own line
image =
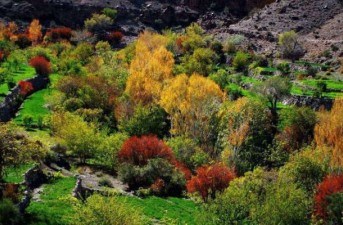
<point x="134" y="15"/>
<point x="319" y="23"/>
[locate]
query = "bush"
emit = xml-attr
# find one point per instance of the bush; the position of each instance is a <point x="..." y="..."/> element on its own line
<point x="98" y="23"/>
<point x="9" y="213"/>
<point x="112" y="13"/>
<point x="23" y="41"/>
<point x="284" y="68"/>
<point x="41" y="65"/>
<point x="115" y="37"/>
<point x="210" y="180"/>
<point x="56" y="34"/>
<point x="146" y="159"/>
<point x="325" y="198"/>
<point x="156" y="172"/>
<point x="25" y="87"/>
<point x="137" y="151"/>
<point x="107" y="210"/>
<point x="290" y="47"/>
<point x="27" y="121"/>
<point x="241" y="61"/>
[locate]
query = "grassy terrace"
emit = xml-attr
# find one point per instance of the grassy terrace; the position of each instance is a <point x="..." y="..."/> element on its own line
<point x="25" y="72"/>
<point x="16" y="174"/>
<point x="54" y="208"/>
<point x="180" y="211"/>
<point x="35" y="104"/>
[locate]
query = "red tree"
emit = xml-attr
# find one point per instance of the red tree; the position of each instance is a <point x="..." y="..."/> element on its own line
<point x="25" y="87"/>
<point x="138" y="151"/>
<point x="115" y="37"/>
<point x="210" y="179"/>
<point x="41" y="65"/>
<point x="332" y="184"/>
<point x="59" y="33"/>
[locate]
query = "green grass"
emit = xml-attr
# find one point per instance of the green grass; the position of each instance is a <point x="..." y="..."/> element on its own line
<point x="35" y="104"/>
<point x="54" y="208"/>
<point x="25" y="72"/>
<point x="331" y="84"/>
<point x="335" y="88"/>
<point x="182" y="211"/>
<point x="16" y="174"/>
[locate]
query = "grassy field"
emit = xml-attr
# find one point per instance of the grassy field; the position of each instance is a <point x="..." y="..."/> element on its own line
<point x="25" y="72"/>
<point x="54" y="207"/>
<point x="180" y="211"/>
<point x="35" y="105"/>
<point x="16" y="174"/>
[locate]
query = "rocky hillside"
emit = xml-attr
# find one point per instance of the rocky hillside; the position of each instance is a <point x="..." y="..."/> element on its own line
<point x="134" y="15"/>
<point x="319" y="24"/>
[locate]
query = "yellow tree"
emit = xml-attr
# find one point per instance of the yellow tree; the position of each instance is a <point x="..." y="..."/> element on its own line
<point x="191" y="103"/>
<point x="150" y="68"/>
<point x="35" y="31"/>
<point x="329" y="133"/>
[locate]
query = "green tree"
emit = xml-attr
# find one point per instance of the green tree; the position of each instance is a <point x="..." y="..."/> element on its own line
<point x="109" y="148"/>
<point x="16" y="148"/>
<point x="81" y="138"/>
<point x="146" y="120"/>
<point x="273" y="90"/>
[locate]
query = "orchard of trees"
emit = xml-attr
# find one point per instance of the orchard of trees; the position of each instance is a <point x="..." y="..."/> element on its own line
<point x="168" y="117"/>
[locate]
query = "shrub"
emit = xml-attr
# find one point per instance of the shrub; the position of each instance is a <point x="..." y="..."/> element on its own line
<point x="107" y="210"/>
<point x="98" y="23"/>
<point x="41" y="65"/>
<point x="156" y="172"/>
<point x="23" y="41"/>
<point x="147" y="159"/>
<point x="331" y="185"/>
<point x="9" y="213"/>
<point x="284" y="68"/>
<point x="2" y="56"/>
<point x="290" y="47"/>
<point x="25" y="87"/>
<point x="241" y="61"/>
<point x="210" y="180"/>
<point x="27" y="121"/>
<point x="112" y="13"/>
<point x="137" y="151"/>
<point x="56" y="34"/>
<point x="115" y="37"/>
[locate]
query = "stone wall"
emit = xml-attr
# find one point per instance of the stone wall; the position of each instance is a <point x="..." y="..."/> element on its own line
<point x="12" y="102"/>
<point x="312" y="102"/>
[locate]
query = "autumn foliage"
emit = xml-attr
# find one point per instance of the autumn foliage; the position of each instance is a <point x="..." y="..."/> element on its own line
<point x="35" y="31"/>
<point x="115" y="37"/>
<point x="331" y="185"/>
<point x="59" y="33"/>
<point x="137" y="151"/>
<point x="41" y="65"/>
<point x="329" y="133"/>
<point x="210" y="180"/>
<point x="25" y="87"/>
